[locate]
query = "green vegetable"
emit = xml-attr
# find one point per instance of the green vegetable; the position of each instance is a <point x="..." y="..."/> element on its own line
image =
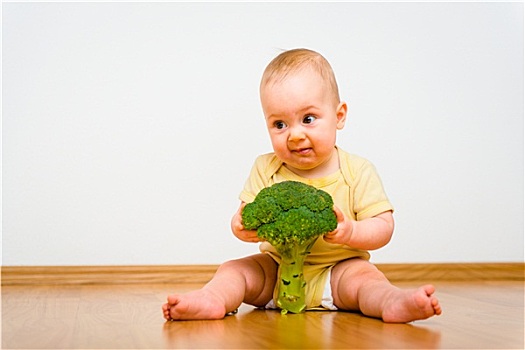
<point x="291" y="216"/>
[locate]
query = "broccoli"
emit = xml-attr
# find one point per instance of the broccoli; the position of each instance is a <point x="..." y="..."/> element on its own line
<point x="291" y="215"/>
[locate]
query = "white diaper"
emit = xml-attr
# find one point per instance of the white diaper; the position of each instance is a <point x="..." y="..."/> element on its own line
<point x="327" y="302"/>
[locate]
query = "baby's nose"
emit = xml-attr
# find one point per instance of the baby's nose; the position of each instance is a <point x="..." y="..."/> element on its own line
<point x="296" y="133"/>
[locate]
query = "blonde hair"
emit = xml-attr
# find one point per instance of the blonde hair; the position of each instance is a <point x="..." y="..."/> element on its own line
<point x="292" y="61"/>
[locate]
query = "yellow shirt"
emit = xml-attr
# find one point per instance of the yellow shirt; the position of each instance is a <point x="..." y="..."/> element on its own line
<point x="356" y="190"/>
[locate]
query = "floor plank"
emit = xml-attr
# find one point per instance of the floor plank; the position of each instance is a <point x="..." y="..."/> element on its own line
<point x="480" y="315"/>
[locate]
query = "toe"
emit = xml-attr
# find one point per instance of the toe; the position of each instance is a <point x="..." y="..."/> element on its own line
<point x="436" y="306"/>
<point x="173" y="299"/>
<point x="429" y="289"/>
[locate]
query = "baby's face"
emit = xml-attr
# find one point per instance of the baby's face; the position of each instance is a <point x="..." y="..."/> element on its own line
<point x="303" y="117"/>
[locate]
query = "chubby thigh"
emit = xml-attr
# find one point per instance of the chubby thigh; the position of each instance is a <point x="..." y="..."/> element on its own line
<point x="348" y="277"/>
<point x="260" y="274"/>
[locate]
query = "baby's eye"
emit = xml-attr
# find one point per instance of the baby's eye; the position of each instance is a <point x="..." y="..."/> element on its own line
<point x="308" y="119"/>
<point x="279" y="125"/>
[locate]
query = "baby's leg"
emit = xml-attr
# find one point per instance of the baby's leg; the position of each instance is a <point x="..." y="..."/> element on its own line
<point x="250" y="280"/>
<point x="359" y="285"/>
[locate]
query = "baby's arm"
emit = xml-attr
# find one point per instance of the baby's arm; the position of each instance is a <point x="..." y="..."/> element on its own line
<point x="238" y="228"/>
<point x="368" y="234"/>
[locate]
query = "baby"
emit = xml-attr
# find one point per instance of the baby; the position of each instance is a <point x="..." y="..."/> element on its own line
<point x="303" y="112"/>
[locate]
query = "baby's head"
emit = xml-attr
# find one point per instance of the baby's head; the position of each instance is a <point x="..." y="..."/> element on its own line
<point x="295" y="60"/>
<point x="303" y="112"/>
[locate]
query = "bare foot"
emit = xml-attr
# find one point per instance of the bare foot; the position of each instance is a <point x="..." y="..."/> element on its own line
<point x="410" y="305"/>
<point x="197" y="305"/>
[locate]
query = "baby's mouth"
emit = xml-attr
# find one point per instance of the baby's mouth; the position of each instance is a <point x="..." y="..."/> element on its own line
<point x="302" y="151"/>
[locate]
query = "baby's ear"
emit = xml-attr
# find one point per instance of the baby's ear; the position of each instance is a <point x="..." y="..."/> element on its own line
<point x="341" y="115"/>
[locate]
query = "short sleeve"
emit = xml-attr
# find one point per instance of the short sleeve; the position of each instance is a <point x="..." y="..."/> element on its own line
<point x="259" y="177"/>
<point x="369" y="195"/>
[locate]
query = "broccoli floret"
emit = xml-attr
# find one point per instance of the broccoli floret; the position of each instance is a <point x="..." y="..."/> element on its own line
<point x="291" y="215"/>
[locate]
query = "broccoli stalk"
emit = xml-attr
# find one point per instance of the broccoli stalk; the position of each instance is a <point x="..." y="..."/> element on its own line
<point x="291" y="216"/>
<point x="291" y="296"/>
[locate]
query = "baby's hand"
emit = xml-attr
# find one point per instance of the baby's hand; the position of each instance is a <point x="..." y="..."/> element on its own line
<point x="343" y="232"/>
<point x="238" y="228"/>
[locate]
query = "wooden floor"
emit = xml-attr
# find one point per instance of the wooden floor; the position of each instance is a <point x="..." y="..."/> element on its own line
<point x="477" y="315"/>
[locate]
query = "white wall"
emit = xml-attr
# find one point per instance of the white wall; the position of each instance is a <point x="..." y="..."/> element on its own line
<point x="130" y="128"/>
